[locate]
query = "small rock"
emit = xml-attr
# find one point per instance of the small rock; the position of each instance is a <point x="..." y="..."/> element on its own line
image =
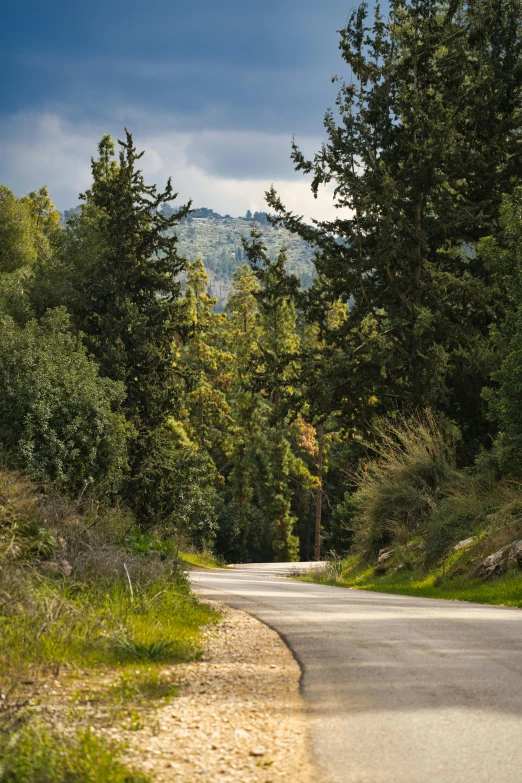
<point x="241" y="733"/>
<point x="258" y="751"/>
<point x="463" y="544"/>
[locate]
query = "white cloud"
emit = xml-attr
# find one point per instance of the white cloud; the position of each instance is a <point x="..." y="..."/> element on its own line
<point x="227" y="171"/>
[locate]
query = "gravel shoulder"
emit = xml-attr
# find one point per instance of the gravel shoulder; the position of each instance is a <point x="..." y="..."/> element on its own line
<point x="239" y="716"/>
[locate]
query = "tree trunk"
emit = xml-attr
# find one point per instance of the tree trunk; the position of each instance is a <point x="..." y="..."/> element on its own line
<point x="319" y="493"/>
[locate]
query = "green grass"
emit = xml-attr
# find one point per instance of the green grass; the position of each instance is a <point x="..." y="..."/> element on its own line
<point x="352" y="572"/>
<point x="82" y="597"/>
<point x="103" y="624"/>
<point x="200" y="559"/>
<point x="142" y="686"/>
<point x="34" y="755"/>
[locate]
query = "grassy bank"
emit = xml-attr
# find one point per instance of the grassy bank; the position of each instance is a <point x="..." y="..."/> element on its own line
<point x="201" y="560"/>
<point x="353" y="572"/>
<point x="92" y="626"/>
<point x="421" y="526"/>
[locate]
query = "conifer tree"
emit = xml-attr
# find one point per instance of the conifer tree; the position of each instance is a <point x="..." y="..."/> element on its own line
<point x="249" y="414"/>
<point x="503" y="257"/>
<point x="122" y="268"/>
<point x="408" y="156"/>
<point x="45" y="216"/>
<point x="18" y="245"/>
<point x="275" y="373"/>
<point x="205" y="362"/>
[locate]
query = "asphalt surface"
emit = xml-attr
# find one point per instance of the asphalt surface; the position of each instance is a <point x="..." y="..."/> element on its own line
<point x="399" y="689"/>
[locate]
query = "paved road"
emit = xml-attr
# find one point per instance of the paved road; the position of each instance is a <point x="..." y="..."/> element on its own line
<point x="399" y="689"/>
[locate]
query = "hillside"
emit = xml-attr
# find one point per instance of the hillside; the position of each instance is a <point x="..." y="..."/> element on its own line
<point x="216" y="239"/>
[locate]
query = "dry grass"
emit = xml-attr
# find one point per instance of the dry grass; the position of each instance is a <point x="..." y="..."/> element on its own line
<point x="412" y="472"/>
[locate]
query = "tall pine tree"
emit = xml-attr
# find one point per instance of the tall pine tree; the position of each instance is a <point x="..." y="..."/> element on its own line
<point x="406" y="152"/>
<point x="122" y="269"/>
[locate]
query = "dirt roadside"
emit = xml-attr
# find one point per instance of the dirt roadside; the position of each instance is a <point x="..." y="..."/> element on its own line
<point x="239" y="717"/>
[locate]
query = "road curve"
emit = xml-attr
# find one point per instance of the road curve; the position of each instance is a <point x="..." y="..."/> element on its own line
<point x="399" y="689"/>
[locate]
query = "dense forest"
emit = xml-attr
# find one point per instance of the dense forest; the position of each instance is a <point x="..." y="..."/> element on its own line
<point x="258" y="431"/>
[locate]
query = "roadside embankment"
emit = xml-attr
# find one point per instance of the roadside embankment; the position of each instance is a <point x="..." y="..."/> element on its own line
<point x="477" y="570"/>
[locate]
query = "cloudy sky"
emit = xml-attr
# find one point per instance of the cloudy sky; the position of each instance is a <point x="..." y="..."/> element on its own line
<point x="212" y="90"/>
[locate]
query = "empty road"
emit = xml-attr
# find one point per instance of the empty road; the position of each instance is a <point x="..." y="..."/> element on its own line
<point x="399" y="689"/>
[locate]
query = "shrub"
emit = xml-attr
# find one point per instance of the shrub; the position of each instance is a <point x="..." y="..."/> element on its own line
<point x="74" y="591"/>
<point x="412" y="472"/>
<point x="56" y="413"/>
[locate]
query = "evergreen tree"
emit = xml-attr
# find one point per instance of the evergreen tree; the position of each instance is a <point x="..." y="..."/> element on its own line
<point x="275" y="373"/>
<point x="503" y="257"/>
<point x="204" y="362"/>
<point x="121" y="267"/>
<point x="18" y="247"/>
<point x="45" y="216"/>
<point x="249" y="414"/>
<point x="407" y="158"/>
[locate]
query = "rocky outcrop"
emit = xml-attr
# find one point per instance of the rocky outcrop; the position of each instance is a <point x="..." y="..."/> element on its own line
<point x="508" y="557"/>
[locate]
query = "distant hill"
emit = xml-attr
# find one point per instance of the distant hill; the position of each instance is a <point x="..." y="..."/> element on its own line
<point x="216" y="239"/>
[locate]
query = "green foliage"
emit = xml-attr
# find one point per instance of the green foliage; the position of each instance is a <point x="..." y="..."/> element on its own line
<point x="157" y="651"/>
<point x="72" y="594"/>
<point x="420" y="583"/>
<point x="503" y="256"/>
<point x="174" y="486"/>
<point x="204" y="559"/>
<point x="139" y="686"/>
<point x="410" y="160"/>
<point x="56" y="413"/>
<point x="35" y="755"/>
<point x="44" y="215"/>
<point x="204" y="362"/>
<point x="274" y="373"/>
<point x="117" y="273"/>
<point x="245" y="533"/>
<point x="18" y="238"/>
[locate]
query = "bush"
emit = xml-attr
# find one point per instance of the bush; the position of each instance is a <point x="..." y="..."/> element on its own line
<point x="460" y="515"/>
<point x="74" y="591"/>
<point x="56" y="413"/>
<point x="414" y="470"/>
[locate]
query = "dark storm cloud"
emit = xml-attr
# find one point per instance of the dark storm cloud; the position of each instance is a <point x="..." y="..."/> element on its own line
<point x="259" y="65"/>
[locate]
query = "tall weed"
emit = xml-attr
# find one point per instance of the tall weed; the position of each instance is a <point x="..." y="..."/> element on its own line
<point x="413" y="470"/>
